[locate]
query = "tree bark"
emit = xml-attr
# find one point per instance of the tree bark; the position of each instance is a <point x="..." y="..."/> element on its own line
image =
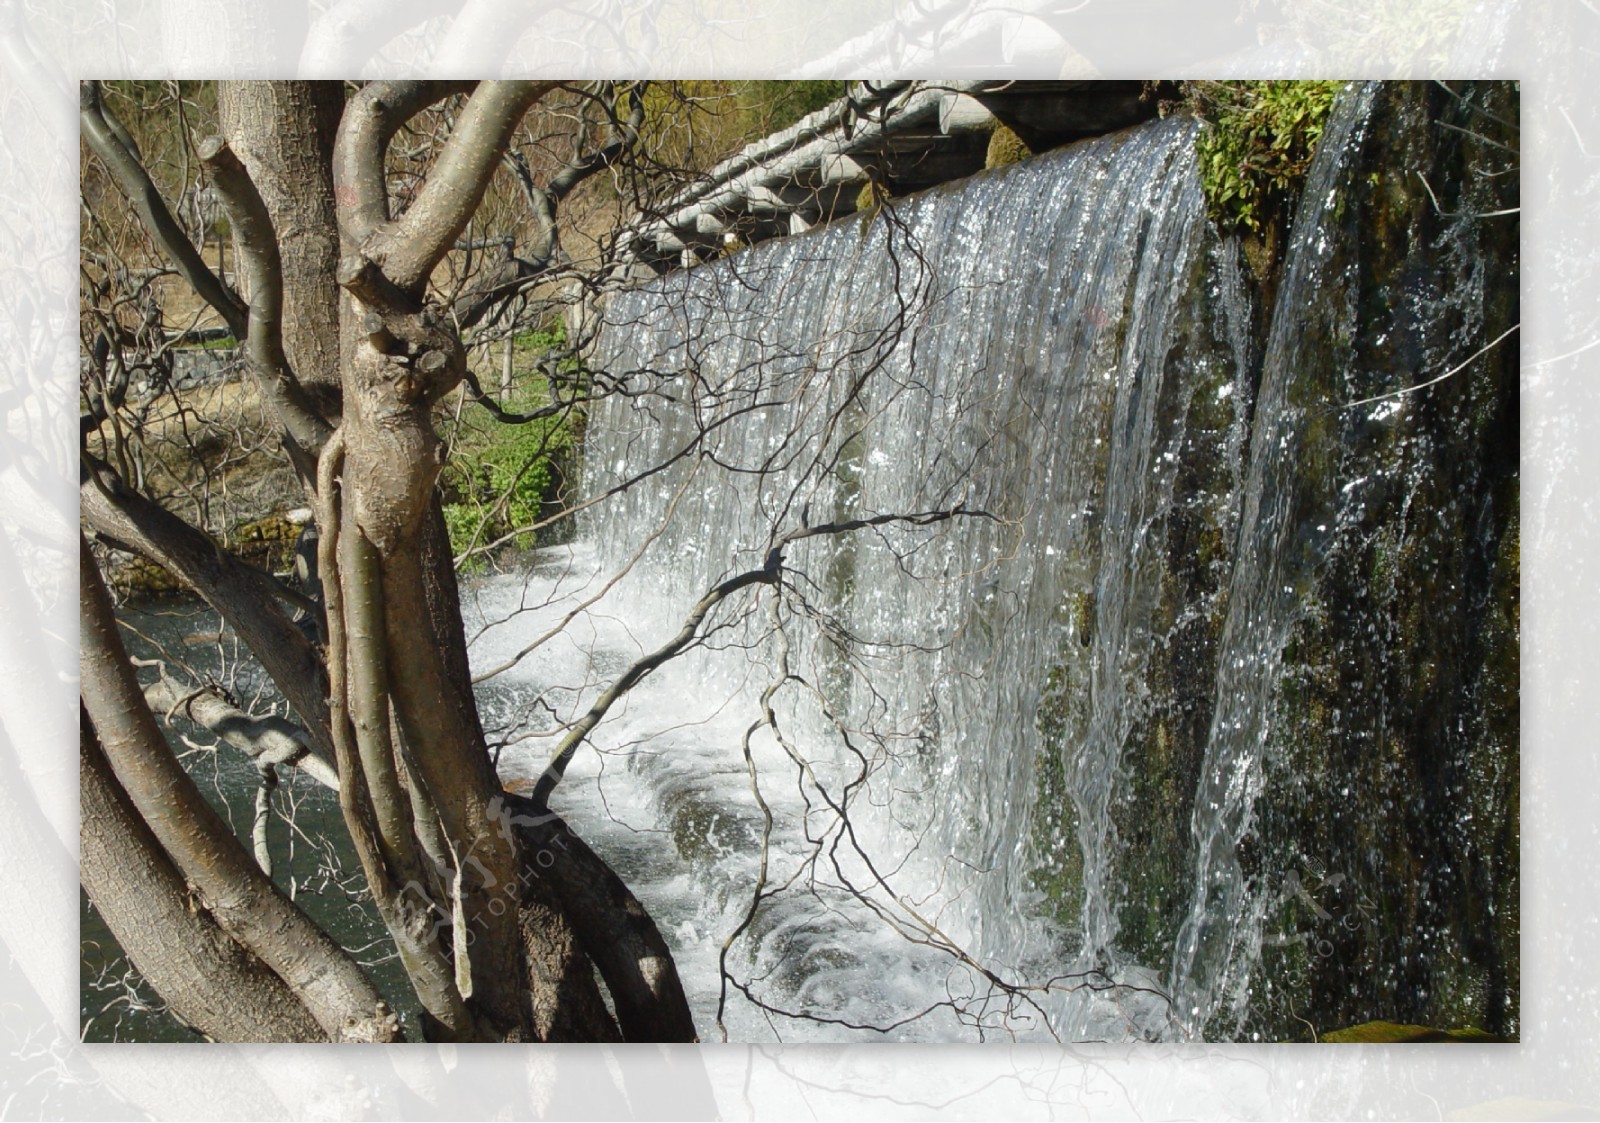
<point x="243" y="900"/>
<point x="406" y="359"/>
<point x="615" y="928"/>
<point x="283" y="133"/>
<point x="206" y="977"/>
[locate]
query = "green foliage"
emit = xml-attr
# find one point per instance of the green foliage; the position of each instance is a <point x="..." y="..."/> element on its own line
<point x="501" y="483"/>
<point x="500" y="476"/>
<point x="1257" y="144"/>
<point x="553" y="337"/>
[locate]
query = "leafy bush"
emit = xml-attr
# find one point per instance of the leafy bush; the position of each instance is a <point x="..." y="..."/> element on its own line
<point x="500" y="476"/>
<point x="1257" y="144"/>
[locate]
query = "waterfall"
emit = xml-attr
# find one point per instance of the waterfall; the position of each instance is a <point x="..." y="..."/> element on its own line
<point x="1268" y="593"/>
<point x="1026" y="735"/>
<point x="1355" y="826"/>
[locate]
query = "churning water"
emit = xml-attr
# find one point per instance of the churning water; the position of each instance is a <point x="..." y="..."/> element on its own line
<point x="989" y="761"/>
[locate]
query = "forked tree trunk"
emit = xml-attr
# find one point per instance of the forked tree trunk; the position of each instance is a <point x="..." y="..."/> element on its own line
<point x="283" y="133"/>
<point x="499" y="920"/>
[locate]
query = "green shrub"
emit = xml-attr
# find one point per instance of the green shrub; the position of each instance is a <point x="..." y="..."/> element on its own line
<point x="500" y="476"/>
<point x="1256" y="144"/>
<point x="501" y="483"/>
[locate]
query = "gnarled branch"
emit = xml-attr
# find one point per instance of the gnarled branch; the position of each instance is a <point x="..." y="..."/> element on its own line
<point x="456" y="182"/>
<point x="617" y="931"/>
<point x="207" y="979"/>
<point x="244" y="596"/>
<point x="370" y="121"/>
<point x="265" y="739"/>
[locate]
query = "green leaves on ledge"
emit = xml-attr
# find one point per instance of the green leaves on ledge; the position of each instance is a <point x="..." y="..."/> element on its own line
<point x="1257" y="143"/>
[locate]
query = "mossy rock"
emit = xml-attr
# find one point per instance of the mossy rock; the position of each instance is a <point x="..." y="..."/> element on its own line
<point x="1005" y="147"/>
<point x="267" y="543"/>
<point x="1389" y="1033"/>
<point x="871" y="197"/>
<point x="131" y="577"/>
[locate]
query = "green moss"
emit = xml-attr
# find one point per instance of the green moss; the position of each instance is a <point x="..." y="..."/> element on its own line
<point x="1061" y="719"/>
<point x="1257" y="144"/>
<point x="1005" y="147"/>
<point x="133" y="576"/>
<point x="267" y="543"/>
<point x="1058" y="870"/>
<point x="1375" y="1033"/>
<point x="871" y="197"/>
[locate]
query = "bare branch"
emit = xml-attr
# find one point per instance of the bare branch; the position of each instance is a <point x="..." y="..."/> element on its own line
<point x="265" y="739"/>
<point x="130" y="175"/>
<point x="622" y="136"/>
<point x="208" y="979"/>
<point x="617" y="931"/>
<point x="370" y="121"/>
<point x="407" y="920"/>
<point x="770" y="573"/>
<point x="1485" y="349"/>
<point x="457" y="181"/>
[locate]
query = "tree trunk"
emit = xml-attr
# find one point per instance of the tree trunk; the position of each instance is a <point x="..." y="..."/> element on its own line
<point x="242" y="899"/>
<point x="283" y="132"/>
<point x="205" y="976"/>
<point x="494" y="950"/>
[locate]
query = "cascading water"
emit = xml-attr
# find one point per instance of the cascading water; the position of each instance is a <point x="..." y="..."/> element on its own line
<point x="1002" y="726"/>
<point x="1211" y="963"/>
<point x="1355" y="823"/>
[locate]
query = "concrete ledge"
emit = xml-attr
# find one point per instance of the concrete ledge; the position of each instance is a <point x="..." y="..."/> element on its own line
<point x="905" y="136"/>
